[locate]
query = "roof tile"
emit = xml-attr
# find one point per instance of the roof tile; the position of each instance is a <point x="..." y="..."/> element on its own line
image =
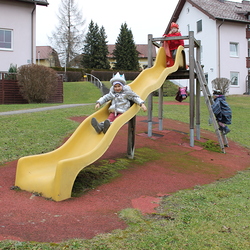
<point x="220" y="9"/>
<point x="43" y="51"/>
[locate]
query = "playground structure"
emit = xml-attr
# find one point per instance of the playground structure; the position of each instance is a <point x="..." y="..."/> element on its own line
<point x="53" y="174"/>
<point x="197" y="83"/>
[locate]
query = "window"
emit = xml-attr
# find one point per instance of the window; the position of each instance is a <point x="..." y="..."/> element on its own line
<point x="5" y="39"/>
<point x="234" y="77"/>
<point x="199" y="26"/>
<point x="234" y="49"/>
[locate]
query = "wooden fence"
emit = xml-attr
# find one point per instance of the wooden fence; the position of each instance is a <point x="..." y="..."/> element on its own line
<point x="10" y="94"/>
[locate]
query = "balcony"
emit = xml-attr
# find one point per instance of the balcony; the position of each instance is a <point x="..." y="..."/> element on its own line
<point x="248" y="33"/>
<point x="248" y="62"/>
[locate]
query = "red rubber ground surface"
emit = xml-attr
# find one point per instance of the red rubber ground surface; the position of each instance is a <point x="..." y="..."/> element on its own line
<point x="26" y="217"/>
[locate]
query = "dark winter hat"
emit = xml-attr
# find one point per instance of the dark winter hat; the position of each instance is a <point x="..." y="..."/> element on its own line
<point x="217" y="92"/>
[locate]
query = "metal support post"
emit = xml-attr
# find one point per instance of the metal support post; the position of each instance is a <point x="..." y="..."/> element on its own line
<point x="198" y="95"/>
<point x="160" y="111"/>
<point x="191" y="86"/>
<point x="131" y="138"/>
<point x="150" y="97"/>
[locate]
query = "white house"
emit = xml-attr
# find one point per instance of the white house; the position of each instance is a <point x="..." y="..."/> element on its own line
<point x="223" y="29"/>
<point x="18" y="32"/>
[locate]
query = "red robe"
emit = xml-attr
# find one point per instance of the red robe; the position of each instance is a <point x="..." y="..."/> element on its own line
<point x="170" y="46"/>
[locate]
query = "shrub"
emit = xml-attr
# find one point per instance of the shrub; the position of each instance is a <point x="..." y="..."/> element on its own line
<point x="37" y="83"/>
<point x="222" y="84"/>
<point x="106" y="75"/>
<point x="11" y="75"/>
<point x="169" y="89"/>
<point x="12" y="69"/>
<point x="74" y="76"/>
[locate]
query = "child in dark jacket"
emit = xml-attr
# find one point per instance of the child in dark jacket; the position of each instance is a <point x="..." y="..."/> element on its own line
<point x="222" y="111"/>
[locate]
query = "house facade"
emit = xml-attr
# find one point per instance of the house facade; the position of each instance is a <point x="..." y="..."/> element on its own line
<point x="47" y="56"/>
<point x="143" y="55"/>
<point x="222" y="28"/>
<point x="18" y="32"/>
<point x="141" y="48"/>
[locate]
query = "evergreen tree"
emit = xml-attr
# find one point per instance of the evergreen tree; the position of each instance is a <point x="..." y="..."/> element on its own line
<point x="125" y="52"/>
<point x="90" y="45"/>
<point x="104" y="62"/>
<point x="95" y="50"/>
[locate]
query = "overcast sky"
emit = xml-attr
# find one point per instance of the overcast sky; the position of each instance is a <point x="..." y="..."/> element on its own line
<point x="142" y="17"/>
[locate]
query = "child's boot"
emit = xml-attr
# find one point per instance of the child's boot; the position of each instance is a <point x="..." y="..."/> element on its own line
<point x="226" y="130"/>
<point x="106" y="126"/>
<point x="98" y="128"/>
<point x="221" y="128"/>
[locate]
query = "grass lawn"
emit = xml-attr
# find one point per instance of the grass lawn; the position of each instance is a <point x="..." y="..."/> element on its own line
<point x="74" y="92"/>
<point x="214" y="216"/>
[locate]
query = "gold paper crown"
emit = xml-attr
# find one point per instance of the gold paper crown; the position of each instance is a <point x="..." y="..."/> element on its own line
<point x="118" y="78"/>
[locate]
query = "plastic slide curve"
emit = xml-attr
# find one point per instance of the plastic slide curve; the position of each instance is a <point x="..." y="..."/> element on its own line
<point x="53" y="174"/>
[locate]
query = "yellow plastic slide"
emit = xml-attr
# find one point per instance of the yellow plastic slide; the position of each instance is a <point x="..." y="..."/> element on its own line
<point x="53" y="174"/>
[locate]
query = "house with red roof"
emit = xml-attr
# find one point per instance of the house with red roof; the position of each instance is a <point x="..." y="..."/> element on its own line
<point x="143" y="55"/>
<point x="141" y="48"/>
<point x="223" y="27"/>
<point x="47" y="56"/>
<point x="18" y="32"/>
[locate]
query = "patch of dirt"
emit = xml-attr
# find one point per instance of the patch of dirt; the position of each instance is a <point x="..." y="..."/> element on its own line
<point x="26" y="217"/>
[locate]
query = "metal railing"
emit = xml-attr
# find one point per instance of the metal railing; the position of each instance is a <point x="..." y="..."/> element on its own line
<point x="94" y="80"/>
<point x="98" y="83"/>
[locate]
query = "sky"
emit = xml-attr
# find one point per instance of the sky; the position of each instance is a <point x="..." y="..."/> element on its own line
<point x="142" y="17"/>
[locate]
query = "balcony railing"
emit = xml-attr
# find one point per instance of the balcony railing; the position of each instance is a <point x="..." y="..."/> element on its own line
<point x="248" y="33"/>
<point x="248" y="62"/>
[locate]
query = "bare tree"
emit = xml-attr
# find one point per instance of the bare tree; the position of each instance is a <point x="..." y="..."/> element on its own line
<point x="222" y="84"/>
<point x="68" y="37"/>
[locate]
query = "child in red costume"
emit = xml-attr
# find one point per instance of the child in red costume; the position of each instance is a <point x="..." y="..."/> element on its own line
<point x="172" y="45"/>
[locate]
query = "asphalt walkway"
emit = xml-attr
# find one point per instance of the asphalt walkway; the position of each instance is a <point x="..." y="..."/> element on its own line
<point x="15" y="112"/>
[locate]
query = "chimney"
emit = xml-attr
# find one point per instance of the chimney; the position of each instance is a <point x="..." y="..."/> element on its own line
<point x="222" y="1"/>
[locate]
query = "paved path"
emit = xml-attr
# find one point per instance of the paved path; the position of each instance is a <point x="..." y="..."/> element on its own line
<point x="43" y="109"/>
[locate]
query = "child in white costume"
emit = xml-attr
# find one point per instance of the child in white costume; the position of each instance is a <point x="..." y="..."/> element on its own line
<point x="120" y="95"/>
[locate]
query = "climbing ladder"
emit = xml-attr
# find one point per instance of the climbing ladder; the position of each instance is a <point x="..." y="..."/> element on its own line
<point x="209" y="101"/>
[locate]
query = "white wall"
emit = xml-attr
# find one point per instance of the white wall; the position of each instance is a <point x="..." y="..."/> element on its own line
<point x="188" y="21"/>
<point x="17" y="16"/>
<point x="229" y="32"/>
<point x="236" y="33"/>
